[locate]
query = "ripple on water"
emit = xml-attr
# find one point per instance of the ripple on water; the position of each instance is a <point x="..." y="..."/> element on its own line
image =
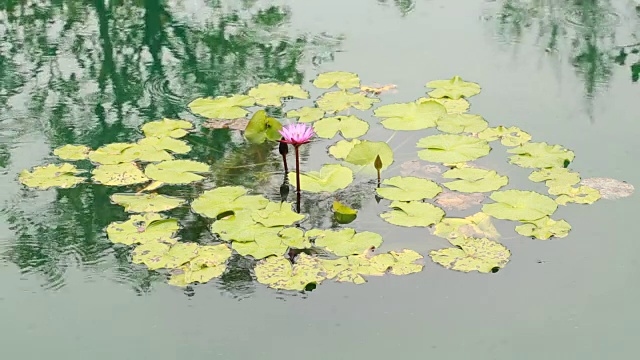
<point x="596" y="17"/>
<point x="157" y="86"/>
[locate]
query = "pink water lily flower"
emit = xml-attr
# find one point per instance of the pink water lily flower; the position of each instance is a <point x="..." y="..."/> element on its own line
<point x="296" y="134"/>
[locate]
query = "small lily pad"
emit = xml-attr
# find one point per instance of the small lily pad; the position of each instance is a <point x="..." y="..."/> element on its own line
<point x="520" y="205"/>
<point x="482" y="255"/>
<point x="349" y="126"/>
<point x="167" y="128"/>
<point x="512" y="136"/>
<point x="336" y="101"/>
<point x="413" y="213"/>
<point x="478" y="225"/>
<point x="278" y="272"/>
<point x="461" y="123"/>
<point x="555" y="177"/>
<point x="330" y="178"/>
<point x="146" y="203"/>
<point x="208" y="264"/>
<point x="540" y="155"/>
<point x="44" y="177"/>
<point x="343" y="79"/>
<point x="112" y="154"/>
<point x="119" y="175"/>
<point x="212" y="203"/>
<point x="579" y="195"/>
<point x="457" y="106"/>
<point x="306" y="114"/>
<point x="261" y="128"/>
<point x="345" y="242"/>
<point x="453" y="89"/>
<point x="72" y="152"/>
<point x="176" y="171"/>
<point x="276" y="214"/>
<point x="449" y="148"/>
<point x="459" y="201"/>
<point x="157" y="256"/>
<point x="222" y="107"/>
<point x="410" y="116"/>
<point x="143" y="229"/>
<point x="271" y="93"/>
<point x="474" y="180"/>
<point x="544" y="228"/>
<point x="365" y="152"/>
<point x="609" y="188"/>
<point x="343" y="214"/>
<point x="408" y="188"/>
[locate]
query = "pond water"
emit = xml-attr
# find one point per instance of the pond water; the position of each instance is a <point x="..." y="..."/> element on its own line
<point x="564" y="71"/>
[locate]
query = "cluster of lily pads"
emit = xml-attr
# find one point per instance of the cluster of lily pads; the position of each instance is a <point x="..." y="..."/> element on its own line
<point x="292" y="257"/>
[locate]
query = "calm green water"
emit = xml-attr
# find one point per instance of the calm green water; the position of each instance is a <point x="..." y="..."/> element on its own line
<point x="93" y="72"/>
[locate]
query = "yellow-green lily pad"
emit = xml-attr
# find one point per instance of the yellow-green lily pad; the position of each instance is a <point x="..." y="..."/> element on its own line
<point x="241" y="227"/>
<point x="336" y="101"/>
<point x="208" y="264"/>
<point x="455" y="88"/>
<point x="261" y="247"/>
<point x="555" y="177"/>
<point x="276" y="214"/>
<point x="453" y="106"/>
<point x="222" y="107"/>
<point x="474" y="180"/>
<point x="112" y="154"/>
<point x="44" y="177"/>
<point x="579" y="195"/>
<point x="511" y="136"/>
<point x="349" y="126"/>
<point x="271" y="94"/>
<point x="72" y="152"/>
<point x="160" y="256"/>
<point x="413" y="213"/>
<point x="146" y="203"/>
<point x="544" y="228"/>
<point x="540" y="155"/>
<point x="461" y="123"/>
<point x="410" y="116"/>
<point x="212" y="203"/>
<point x="176" y="171"/>
<point x="143" y="229"/>
<point x="343" y="79"/>
<point x="330" y="178"/>
<point x="343" y="214"/>
<point x="278" y="272"/>
<point x="478" y="225"/>
<point x="470" y="254"/>
<point x="306" y="114"/>
<point x="449" y="148"/>
<point x="261" y="128"/>
<point x="519" y="205"/>
<point x="365" y="152"/>
<point x="345" y="242"/>
<point x="408" y="188"/>
<point x="119" y="174"/>
<point x="167" y="128"/>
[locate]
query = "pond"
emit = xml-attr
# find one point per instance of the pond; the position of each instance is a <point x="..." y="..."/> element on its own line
<point x="94" y="73"/>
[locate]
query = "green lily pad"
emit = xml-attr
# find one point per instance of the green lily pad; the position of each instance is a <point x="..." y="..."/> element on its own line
<point x="271" y="93"/>
<point x="119" y="174"/>
<point x="163" y="143"/>
<point x="146" y="203"/>
<point x="278" y="272"/>
<point x="519" y="205"/>
<point x="544" y="228"/>
<point x="112" y="154"/>
<point x="336" y="101"/>
<point x="212" y="203"/>
<point x="540" y="155"/>
<point x="261" y="127"/>
<point x="143" y="229"/>
<point x="555" y="177"/>
<point x="294" y="238"/>
<point x="351" y="269"/>
<point x="276" y="214"/>
<point x="453" y="89"/>
<point x="345" y="242"/>
<point x="478" y="225"/>
<point x="241" y="227"/>
<point x="343" y="214"/>
<point x="511" y="136"/>
<point x="167" y="128"/>
<point x="262" y="247"/>
<point x="176" y="171"/>
<point x="160" y="256"/>
<point x="448" y="148"/>
<point x="579" y="195"/>
<point x="330" y="178"/>
<point x="349" y="126"/>
<point x="44" y="177"/>
<point x="474" y="180"/>
<point x="453" y="106"/>
<point x="482" y="255"/>
<point x="461" y="123"/>
<point x="408" y="188"/>
<point x="306" y="114"/>
<point x="344" y="80"/>
<point x="413" y="213"/>
<point x="365" y="152"/>
<point x="210" y="263"/>
<point x="222" y="107"/>
<point x="398" y="263"/>
<point x="410" y="116"/>
<point x="72" y="152"/>
<point x="342" y="148"/>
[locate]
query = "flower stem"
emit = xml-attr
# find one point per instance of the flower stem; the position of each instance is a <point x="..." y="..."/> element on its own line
<point x="297" y="177"/>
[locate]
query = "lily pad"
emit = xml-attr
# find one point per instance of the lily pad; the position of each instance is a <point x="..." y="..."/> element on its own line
<point x="345" y="242"/>
<point x="609" y="188"/>
<point x="461" y="123"/>
<point x="167" y="128"/>
<point x="162" y="143"/>
<point x="555" y="177"/>
<point x="306" y="114"/>
<point x="143" y="229"/>
<point x="544" y="228"/>
<point x="212" y="203"/>
<point x="478" y="225"/>
<point x="222" y="107"/>
<point x="398" y="263"/>
<point x="474" y="180"/>
<point x="457" y="106"/>
<point x="336" y="101"/>
<point x="160" y="256"/>
<point x="453" y="89"/>
<point x="112" y="154"/>
<point x="330" y="178"/>
<point x="343" y="214"/>
<point x="271" y="93"/>
<point x="482" y="255"/>
<point x="511" y="136"/>
<point x="176" y="171"/>
<point x="276" y="214"/>
<point x="72" y="152"/>
<point x="241" y="227"/>
<point x="408" y="188"/>
<point x="520" y="205"/>
<point x="540" y="155"/>
<point x="413" y="213"/>
<point x="579" y="195"/>
<point x="448" y="148"/>
<point x="278" y="272"/>
<point x="344" y="80"/>
<point x="261" y="128"/>
<point x="208" y="264"/>
<point x="351" y="269"/>
<point x="263" y="246"/>
<point x="459" y="201"/>
<point x="146" y="203"/>
<point x="119" y="175"/>
<point x="349" y="126"/>
<point x="294" y="238"/>
<point x="365" y="152"/>
<point x="410" y="116"/>
<point x="44" y="177"/>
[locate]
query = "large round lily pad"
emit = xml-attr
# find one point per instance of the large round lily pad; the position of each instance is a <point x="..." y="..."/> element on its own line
<point x="142" y="229"/>
<point x="212" y="203"/>
<point x="408" y="188"/>
<point x="345" y="241"/>
<point x="474" y="180"/>
<point x="167" y="128"/>
<point x="119" y="174"/>
<point x="72" y="152"/>
<point x="449" y="148"/>
<point x="413" y="213"/>
<point x="482" y="255"/>
<point x="461" y="123"/>
<point x="544" y="228"/>
<point x="112" y="154"/>
<point x="520" y="205"/>
<point x="410" y="116"/>
<point x="540" y="155"/>
<point x="336" y="101"/>
<point x="44" y="177"/>
<point x="349" y="126"/>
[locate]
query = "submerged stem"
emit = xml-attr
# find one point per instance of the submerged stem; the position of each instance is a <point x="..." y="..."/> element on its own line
<point x="297" y="177"/>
